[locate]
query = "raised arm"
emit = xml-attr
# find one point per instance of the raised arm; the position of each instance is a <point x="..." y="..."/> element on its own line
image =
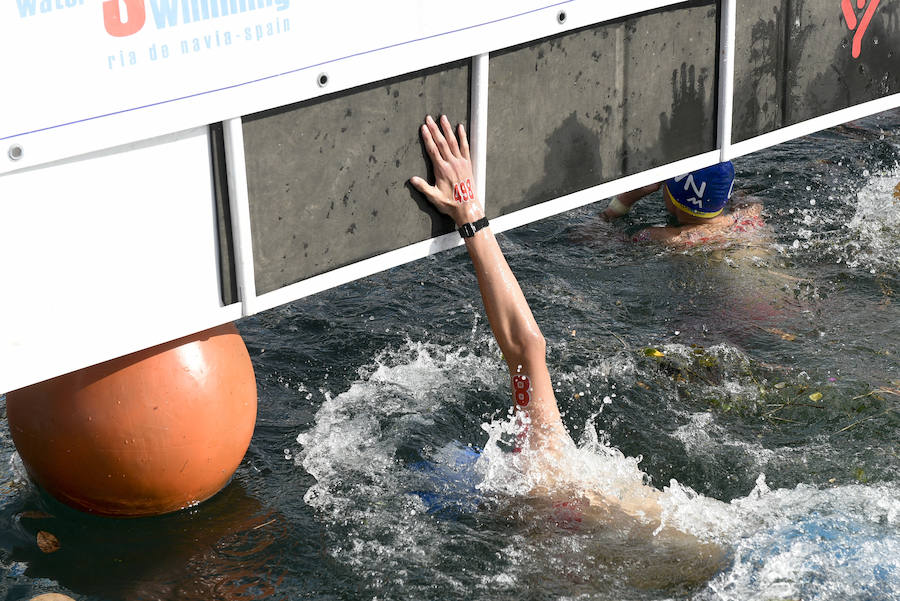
<point x="511" y="320"/>
<point x="517" y="333"/>
<point x="621" y="204"/>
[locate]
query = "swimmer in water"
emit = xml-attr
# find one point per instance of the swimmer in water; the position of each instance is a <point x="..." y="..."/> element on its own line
<point x="742" y="266"/>
<point x="698" y="201"/>
<point x="515" y="329"/>
<point x="551" y="455"/>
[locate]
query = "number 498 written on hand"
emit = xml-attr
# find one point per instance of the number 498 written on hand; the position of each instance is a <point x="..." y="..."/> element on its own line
<point x="462" y="192"/>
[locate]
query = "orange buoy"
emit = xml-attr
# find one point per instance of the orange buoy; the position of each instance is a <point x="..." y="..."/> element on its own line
<point x="145" y="434"/>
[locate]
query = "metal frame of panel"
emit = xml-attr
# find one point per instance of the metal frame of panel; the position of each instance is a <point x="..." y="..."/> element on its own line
<point x="94" y="271"/>
<point x="725" y="150"/>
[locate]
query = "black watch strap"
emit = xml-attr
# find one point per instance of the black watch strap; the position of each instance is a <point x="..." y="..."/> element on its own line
<point x="467" y="230"/>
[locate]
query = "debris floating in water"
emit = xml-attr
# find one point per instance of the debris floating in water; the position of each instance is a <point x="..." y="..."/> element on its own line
<point x="47" y="542"/>
<point x="779" y="332"/>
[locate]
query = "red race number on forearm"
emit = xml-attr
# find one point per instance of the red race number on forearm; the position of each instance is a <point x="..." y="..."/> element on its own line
<point x="522" y="390"/>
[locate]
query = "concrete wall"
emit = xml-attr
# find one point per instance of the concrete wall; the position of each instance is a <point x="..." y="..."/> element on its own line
<point x="590" y="106"/>
<point x="759" y="68"/>
<point x="328" y="178"/>
<point x="794" y="62"/>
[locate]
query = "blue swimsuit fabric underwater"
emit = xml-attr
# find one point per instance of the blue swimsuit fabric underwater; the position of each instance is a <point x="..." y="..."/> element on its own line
<point x="703" y="193"/>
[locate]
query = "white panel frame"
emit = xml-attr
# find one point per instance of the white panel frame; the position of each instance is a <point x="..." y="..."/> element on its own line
<point x="107" y="254"/>
<point x="189" y="107"/>
<point x="811" y="126"/>
<point x="725" y="150"/>
<point x="728" y="33"/>
<point x="479" y="124"/>
<point x="241" y="224"/>
<point x="510" y="221"/>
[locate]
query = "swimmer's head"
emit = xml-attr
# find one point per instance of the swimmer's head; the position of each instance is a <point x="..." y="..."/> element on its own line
<point x="702" y="193"/>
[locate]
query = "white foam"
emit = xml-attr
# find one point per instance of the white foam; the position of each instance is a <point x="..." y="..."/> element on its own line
<point x="818" y="544"/>
<point x="702" y="435"/>
<point x="864" y="234"/>
<point x="875" y="225"/>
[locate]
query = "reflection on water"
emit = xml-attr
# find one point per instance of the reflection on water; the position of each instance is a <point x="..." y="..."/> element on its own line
<point x="755" y="389"/>
<point x="220" y="552"/>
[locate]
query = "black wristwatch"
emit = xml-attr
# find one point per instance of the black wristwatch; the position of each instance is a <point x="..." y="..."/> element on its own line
<point x="467" y="230"/>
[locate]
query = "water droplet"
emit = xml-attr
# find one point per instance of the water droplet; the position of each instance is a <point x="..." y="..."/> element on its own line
<point x="875" y="41"/>
<point x="812" y="201"/>
<point x="844" y="43"/>
<point x="796" y="244"/>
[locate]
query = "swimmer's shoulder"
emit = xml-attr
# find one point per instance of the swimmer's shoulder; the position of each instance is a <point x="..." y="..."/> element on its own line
<point x="662" y="234"/>
<point x="749" y="206"/>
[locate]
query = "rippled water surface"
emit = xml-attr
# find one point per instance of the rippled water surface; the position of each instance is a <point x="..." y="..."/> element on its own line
<point x="757" y="388"/>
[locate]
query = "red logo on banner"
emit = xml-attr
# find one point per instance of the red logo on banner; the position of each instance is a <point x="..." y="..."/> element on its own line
<point x="112" y="17"/>
<point x="858" y="24"/>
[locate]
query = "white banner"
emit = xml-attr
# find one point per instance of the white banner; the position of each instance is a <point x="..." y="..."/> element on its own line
<point x="81" y="75"/>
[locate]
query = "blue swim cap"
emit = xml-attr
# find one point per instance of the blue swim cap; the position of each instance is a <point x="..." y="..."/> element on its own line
<point x="702" y="193"/>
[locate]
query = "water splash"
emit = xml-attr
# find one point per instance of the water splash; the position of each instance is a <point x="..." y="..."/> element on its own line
<point x="816" y="544"/>
<point x="859" y="226"/>
<point x="404" y="499"/>
<point x="874" y="230"/>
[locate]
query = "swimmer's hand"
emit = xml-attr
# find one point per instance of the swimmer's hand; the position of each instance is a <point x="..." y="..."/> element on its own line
<point x="621" y="204"/>
<point x="453" y="192"/>
<point x="615" y="209"/>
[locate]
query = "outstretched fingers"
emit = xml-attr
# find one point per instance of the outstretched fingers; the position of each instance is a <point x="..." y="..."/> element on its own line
<point x="438" y="138"/>
<point x="429" y="191"/>
<point x="430" y="146"/>
<point x="448" y="135"/>
<point x="463" y="142"/>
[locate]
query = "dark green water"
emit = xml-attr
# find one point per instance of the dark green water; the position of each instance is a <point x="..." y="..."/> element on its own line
<point x="369" y="390"/>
